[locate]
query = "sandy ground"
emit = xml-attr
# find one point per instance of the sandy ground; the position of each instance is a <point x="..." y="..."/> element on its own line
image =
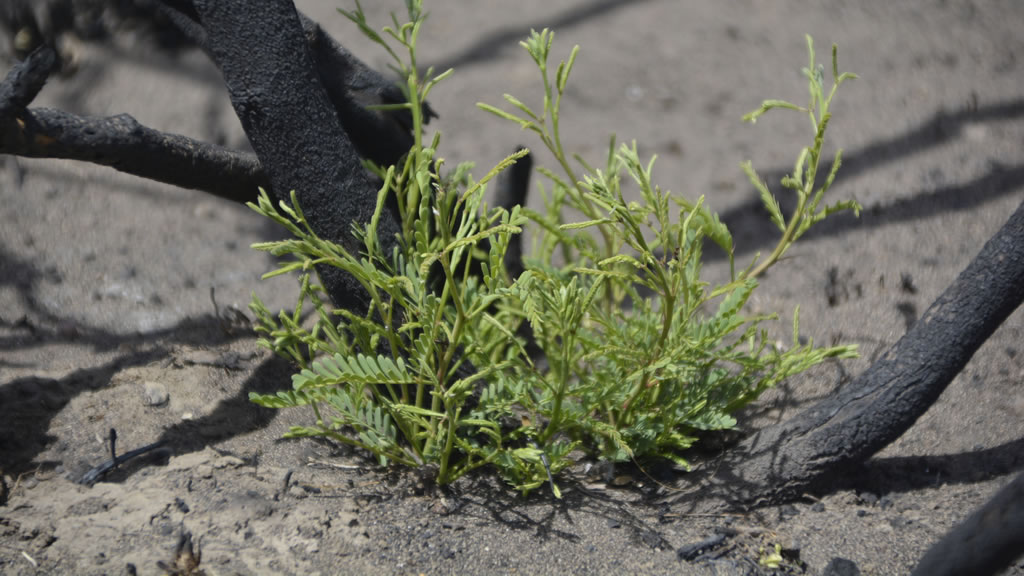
<point x="106" y="281"/>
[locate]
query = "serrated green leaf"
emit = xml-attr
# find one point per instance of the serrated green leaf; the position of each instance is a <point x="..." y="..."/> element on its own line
<point x="769" y="201"/>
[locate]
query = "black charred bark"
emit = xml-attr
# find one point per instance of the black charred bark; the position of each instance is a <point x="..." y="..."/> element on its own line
<point x="985" y="543"/>
<point x="381" y="137"/>
<point x="818" y="445"/>
<point x="261" y="49"/>
<point x="118" y="141"/>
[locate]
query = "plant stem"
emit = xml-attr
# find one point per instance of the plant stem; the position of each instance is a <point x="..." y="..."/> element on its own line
<point x="554" y="423"/>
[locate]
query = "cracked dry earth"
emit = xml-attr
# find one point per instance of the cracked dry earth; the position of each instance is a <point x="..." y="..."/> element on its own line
<point x="106" y="319"/>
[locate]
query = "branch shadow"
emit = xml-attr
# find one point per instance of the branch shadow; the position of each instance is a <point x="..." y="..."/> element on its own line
<point x="31" y="403"/>
<point x="38" y="325"/>
<point x="488" y="499"/>
<point x="752" y="228"/>
<point x="496" y="42"/>
<point x="233" y="416"/>
<point x="908" y="473"/>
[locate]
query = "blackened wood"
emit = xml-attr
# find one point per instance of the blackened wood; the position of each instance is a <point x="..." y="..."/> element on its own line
<point x="125" y="145"/>
<point x="985" y="543"/>
<point x="24" y="81"/>
<point x="830" y="438"/>
<point x="383" y="137"/>
<point x="119" y="141"/>
<point x="261" y="49"/>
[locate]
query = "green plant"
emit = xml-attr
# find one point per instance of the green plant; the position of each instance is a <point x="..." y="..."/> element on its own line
<point x="770" y="558"/>
<point x="639" y="355"/>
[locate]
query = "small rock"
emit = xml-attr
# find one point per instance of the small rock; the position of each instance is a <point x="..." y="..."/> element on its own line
<point x="818" y="507"/>
<point x="867" y="498"/>
<point x="652" y="539"/>
<point x="155" y="393"/>
<point x="900" y="522"/>
<point x="166" y="528"/>
<point x="885" y="502"/>
<point x="442" y="507"/>
<point x="228" y="462"/>
<point x="297" y="492"/>
<point x="613" y="523"/>
<point x="788" y="511"/>
<point x="862" y="513"/>
<point x="841" y="567"/>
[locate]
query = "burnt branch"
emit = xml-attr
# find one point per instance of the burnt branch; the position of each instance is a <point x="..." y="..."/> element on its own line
<point x="119" y="141"/>
<point x="275" y="88"/>
<point x="125" y="145"/>
<point x="24" y="81"/>
<point x="122" y="143"/>
<point x="837" y="434"/>
<point x="382" y="137"/>
<point x="986" y="542"/>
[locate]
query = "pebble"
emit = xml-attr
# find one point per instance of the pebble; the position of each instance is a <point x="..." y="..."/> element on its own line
<point x="868" y="498"/>
<point x="155" y="393"/>
<point x="228" y="461"/>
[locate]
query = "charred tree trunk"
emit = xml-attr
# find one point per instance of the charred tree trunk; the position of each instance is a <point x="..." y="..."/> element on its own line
<point x="836" y="434"/>
<point x="986" y="542"/>
<point x="261" y="49"/>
